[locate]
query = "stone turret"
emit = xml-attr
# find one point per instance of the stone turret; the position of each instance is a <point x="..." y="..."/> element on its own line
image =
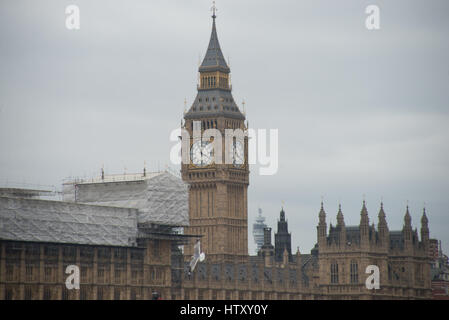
<point x="341" y="227"/>
<point x="364" y="226"/>
<point x="322" y="227"/>
<point x="382" y="226"/>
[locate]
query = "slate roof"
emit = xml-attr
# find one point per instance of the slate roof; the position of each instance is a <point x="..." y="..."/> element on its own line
<point x="214" y="103"/>
<point x="214" y="59"/>
<point x="353" y="235"/>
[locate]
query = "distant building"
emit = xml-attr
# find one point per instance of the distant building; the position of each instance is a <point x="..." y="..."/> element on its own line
<point x="258" y="232"/>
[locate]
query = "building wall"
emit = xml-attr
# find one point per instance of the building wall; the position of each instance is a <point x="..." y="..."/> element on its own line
<point x="36" y="271"/>
<point x="403" y="274"/>
<point x="242" y="281"/>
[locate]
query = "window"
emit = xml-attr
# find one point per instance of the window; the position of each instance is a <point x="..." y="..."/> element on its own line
<point x="117" y="276"/>
<point x="47" y="273"/>
<point x="83" y="293"/>
<point x="29" y="272"/>
<point x="100" y="293"/>
<point x="334" y="273"/>
<point x="156" y="244"/>
<point x="100" y="272"/>
<point x="104" y="253"/>
<point x="28" y="293"/>
<point x="51" y="251"/>
<point x="65" y="293"/>
<point x="354" y="271"/>
<point x="117" y="294"/>
<point x="133" y="294"/>
<point x="8" y="294"/>
<point x="9" y="272"/>
<point x="120" y="254"/>
<point x="47" y="293"/>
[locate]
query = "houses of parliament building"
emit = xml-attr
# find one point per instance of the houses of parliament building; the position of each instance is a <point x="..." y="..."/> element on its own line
<point x="133" y="235"/>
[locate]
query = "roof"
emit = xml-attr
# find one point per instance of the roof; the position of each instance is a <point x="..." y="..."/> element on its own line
<point x="353" y="235"/>
<point x="214" y="59"/>
<point x="214" y="103"/>
<point x="64" y="222"/>
<point x="160" y="198"/>
<point x="24" y="193"/>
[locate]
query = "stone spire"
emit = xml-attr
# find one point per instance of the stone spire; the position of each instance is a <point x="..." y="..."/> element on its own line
<point x="340" y="218"/>
<point x="341" y="227"/>
<point x="214" y="98"/>
<point x="321" y="228"/>
<point x="322" y="214"/>
<point x="383" y="226"/>
<point x="382" y="216"/>
<point x="407" y="229"/>
<point x="214" y="59"/>
<point x="364" y="220"/>
<point x="407" y="219"/>
<point x="364" y="224"/>
<point x="424" y="227"/>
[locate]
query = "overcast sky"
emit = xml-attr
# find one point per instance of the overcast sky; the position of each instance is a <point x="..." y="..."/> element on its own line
<point x="359" y="112"/>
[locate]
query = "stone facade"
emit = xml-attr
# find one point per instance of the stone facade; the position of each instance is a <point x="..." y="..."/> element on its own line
<point x="345" y="252"/>
<point x="36" y="271"/>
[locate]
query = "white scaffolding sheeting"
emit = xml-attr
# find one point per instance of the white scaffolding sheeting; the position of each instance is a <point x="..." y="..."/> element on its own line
<point x="160" y="198"/>
<point x="64" y="222"/>
<point x="166" y="201"/>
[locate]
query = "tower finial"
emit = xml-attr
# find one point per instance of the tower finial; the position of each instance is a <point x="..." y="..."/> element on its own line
<point x="213" y="9"/>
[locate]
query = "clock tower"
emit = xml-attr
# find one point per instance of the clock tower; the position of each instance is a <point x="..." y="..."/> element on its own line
<point x="218" y="208"/>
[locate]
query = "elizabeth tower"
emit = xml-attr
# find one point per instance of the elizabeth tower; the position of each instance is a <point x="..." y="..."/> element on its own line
<point x="218" y="208"/>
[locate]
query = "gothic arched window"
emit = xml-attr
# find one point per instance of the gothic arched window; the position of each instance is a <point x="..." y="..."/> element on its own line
<point x="334" y="272"/>
<point x="354" y="271"/>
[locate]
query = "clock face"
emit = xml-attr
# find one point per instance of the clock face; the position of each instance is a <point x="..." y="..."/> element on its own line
<point x="238" y="154"/>
<point x="202" y="153"/>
